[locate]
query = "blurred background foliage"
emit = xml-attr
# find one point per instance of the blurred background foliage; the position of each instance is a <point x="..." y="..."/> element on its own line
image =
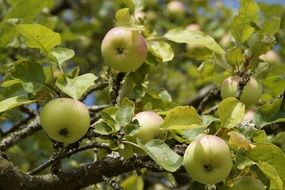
<point x="82" y="25"/>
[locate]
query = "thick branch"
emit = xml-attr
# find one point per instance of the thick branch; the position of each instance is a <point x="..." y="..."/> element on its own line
<point x="71" y="179"/>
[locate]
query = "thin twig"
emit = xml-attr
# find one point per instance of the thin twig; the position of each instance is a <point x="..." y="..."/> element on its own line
<point x="98" y="86"/>
<point x="97" y="108"/>
<point x="211" y="110"/>
<point x="66" y="154"/>
<point x="17" y="136"/>
<point x="207" y="99"/>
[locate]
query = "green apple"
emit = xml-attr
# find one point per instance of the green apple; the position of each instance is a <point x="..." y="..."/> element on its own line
<point x="251" y="93"/>
<point x="247" y="183"/>
<point x="65" y="120"/>
<point x="208" y="159"/>
<point x="176" y="9"/>
<point x="124" y="49"/>
<point x="149" y="126"/>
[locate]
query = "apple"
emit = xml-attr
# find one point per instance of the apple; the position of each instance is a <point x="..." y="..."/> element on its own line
<point x="208" y="159"/>
<point x="65" y="120"/>
<point x="176" y="9"/>
<point x="270" y="57"/>
<point x="226" y="40"/>
<point x="140" y="15"/>
<point x="249" y="115"/>
<point x="193" y="27"/>
<point x="247" y="183"/>
<point x="251" y="93"/>
<point x="124" y="49"/>
<point x="149" y="126"/>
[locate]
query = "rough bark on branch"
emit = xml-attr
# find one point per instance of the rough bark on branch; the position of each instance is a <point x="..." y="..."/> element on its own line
<point x="71" y="179"/>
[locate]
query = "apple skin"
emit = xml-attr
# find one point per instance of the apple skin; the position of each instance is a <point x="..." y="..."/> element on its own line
<point x="252" y="92"/>
<point x="149" y="126"/>
<point x="124" y="49"/>
<point x="176" y="9"/>
<point x="208" y="159"/>
<point x="192" y="27"/>
<point x="247" y="183"/>
<point x="270" y="57"/>
<point x="65" y="120"/>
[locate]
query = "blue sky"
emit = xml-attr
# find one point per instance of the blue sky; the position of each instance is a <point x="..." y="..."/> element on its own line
<point x="235" y="3"/>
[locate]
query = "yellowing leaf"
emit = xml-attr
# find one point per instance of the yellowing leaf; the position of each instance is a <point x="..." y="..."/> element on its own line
<point x="238" y="140"/>
<point x="39" y="36"/>
<point x="182" y="117"/>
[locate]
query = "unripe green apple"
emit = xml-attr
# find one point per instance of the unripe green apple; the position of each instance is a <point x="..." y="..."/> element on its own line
<point x="247" y="183"/>
<point x="251" y="93"/>
<point x="149" y="126"/>
<point x="124" y="49"/>
<point x="176" y="9"/>
<point x="208" y="159"/>
<point x="65" y="120"/>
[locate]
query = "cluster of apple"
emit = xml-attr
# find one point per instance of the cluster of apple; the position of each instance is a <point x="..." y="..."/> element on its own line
<point x="207" y="159"/>
<point x="251" y="93"/>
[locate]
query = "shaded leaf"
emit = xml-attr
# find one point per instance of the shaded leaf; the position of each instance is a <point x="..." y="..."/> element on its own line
<point x="162" y="154"/>
<point x="31" y="75"/>
<point x="269" y="113"/>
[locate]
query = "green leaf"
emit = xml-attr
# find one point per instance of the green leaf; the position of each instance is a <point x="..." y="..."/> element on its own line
<point x="161" y="50"/>
<point x="9" y="83"/>
<point x="133" y="182"/>
<point x="162" y="154"/>
<point x="125" y="113"/>
<point x="77" y="86"/>
<point x="194" y="38"/>
<point x="14" y="102"/>
<point x="182" y="117"/>
<point x="123" y="17"/>
<point x="235" y="56"/>
<point x="279" y="140"/>
<point x="38" y="36"/>
<point x="31" y="75"/>
<point x="26" y="10"/>
<point x="260" y="43"/>
<point x="7" y="31"/>
<point x="269" y="113"/>
<point x="275" y="84"/>
<point x="275" y="180"/>
<point x="271" y="25"/>
<point x="274" y="158"/>
<point x="231" y="112"/>
<point x="62" y="54"/>
<point x="241" y="27"/>
<point x="209" y="119"/>
<point x="103" y="128"/>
